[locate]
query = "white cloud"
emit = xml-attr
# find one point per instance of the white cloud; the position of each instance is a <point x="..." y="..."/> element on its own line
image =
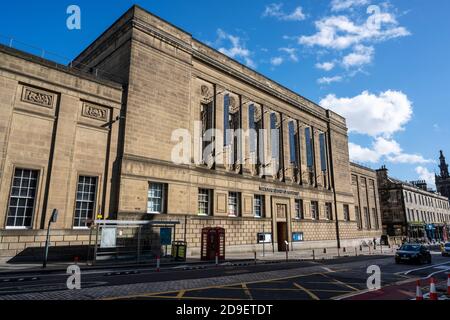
<point x="237" y="49"/>
<point x="291" y="52"/>
<point x="326" y="66"/>
<point x="328" y="80"/>
<point x="339" y="32"/>
<point x="378" y="116"/>
<point x="275" y="10"/>
<point x="408" y="158"/>
<point x="360" y="56"/>
<point x="276" y="61"/>
<point x="387" y="149"/>
<point x="371" y="114"/>
<point x="339" y="5"/>
<point x="361" y="154"/>
<point x="425" y="174"/>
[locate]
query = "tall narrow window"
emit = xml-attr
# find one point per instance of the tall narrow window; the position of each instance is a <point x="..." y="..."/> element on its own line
<point x="329" y="211"/>
<point x="233" y="204"/>
<point x="204" y="202"/>
<point x="256" y="135"/>
<point x="375" y="218"/>
<point x="358" y="218"/>
<point x="226" y="115"/>
<point x="85" y="204"/>
<point x="207" y="124"/>
<point x="252" y="126"/>
<point x="275" y="138"/>
<point x="156" y="198"/>
<point x="323" y="152"/>
<point x="293" y="144"/>
<point x="22" y="199"/>
<point x="258" y="206"/>
<point x="309" y="155"/>
<point x="299" y="214"/>
<point x="346" y="212"/>
<point x="315" y="210"/>
<point x="367" y="217"/>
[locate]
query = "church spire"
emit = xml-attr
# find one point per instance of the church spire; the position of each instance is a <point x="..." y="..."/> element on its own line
<point x="443" y="166"/>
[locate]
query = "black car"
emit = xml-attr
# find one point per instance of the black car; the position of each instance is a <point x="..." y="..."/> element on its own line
<point x="413" y="253"/>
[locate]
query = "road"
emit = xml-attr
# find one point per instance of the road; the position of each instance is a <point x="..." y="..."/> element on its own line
<point x="343" y="278"/>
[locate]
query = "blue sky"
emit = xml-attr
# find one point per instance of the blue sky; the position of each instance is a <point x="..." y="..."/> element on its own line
<point x="385" y="68"/>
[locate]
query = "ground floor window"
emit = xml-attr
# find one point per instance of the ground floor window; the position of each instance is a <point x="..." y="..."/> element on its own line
<point x="328" y="211"/>
<point x="258" y="206"/>
<point x="156" y="197"/>
<point x="22" y="198"/>
<point x="204" y="202"/>
<point x="85" y="200"/>
<point x="314" y="210"/>
<point x="346" y="212"/>
<point x="233" y="204"/>
<point x="299" y="214"/>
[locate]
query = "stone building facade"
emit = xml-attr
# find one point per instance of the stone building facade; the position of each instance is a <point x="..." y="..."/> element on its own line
<point x="410" y="210"/>
<point x="138" y="148"/>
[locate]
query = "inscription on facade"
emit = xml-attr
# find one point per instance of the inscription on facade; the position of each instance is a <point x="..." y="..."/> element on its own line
<point x="95" y="112"/>
<point x="278" y="191"/>
<point x="38" y="97"/>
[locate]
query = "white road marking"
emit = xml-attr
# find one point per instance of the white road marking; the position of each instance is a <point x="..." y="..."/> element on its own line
<point x="423" y="268"/>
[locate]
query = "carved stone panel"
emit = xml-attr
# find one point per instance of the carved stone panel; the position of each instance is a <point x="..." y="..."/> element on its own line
<point x="95" y="112"/>
<point x="38" y="97"/>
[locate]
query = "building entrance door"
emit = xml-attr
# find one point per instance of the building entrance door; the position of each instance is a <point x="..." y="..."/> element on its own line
<point x="282" y="236"/>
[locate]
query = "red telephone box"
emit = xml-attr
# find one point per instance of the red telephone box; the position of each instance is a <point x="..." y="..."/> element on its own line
<point x="213" y="243"/>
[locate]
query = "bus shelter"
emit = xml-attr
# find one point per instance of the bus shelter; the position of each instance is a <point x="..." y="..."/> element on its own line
<point x="130" y="240"/>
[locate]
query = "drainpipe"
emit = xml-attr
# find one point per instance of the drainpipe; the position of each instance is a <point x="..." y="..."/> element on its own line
<point x="330" y="148"/>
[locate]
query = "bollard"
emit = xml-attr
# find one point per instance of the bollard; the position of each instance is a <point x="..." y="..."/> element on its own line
<point x="360" y="248"/>
<point x="314" y="255"/>
<point x="217" y="259"/>
<point x="356" y="252"/>
<point x="344" y="250"/>
<point x="158" y="263"/>
<point x="255" y="257"/>
<point x="325" y="250"/>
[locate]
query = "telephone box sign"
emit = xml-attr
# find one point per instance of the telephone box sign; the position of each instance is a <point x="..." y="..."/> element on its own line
<point x="165" y="236"/>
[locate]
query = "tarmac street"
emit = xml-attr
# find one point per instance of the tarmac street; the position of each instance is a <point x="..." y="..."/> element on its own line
<point x="340" y="278"/>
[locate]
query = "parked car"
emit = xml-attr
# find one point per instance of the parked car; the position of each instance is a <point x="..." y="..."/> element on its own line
<point x="413" y="253"/>
<point x="446" y="250"/>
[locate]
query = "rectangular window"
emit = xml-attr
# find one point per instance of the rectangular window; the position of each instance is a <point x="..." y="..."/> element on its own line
<point x="207" y="124"/>
<point x="275" y="138"/>
<point x="346" y="212"/>
<point x="375" y="218"/>
<point x="323" y="152"/>
<point x="367" y="217"/>
<point x="299" y="214"/>
<point x="293" y="147"/>
<point x="315" y="210"/>
<point x="328" y="211"/>
<point x="358" y="218"/>
<point x="234" y="204"/>
<point x="252" y="126"/>
<point x="85" y="204"/>
<point x="309" y="148"/>
<point x="22" y="199"/>
<point x="258" y="206"/>
<point x="226" y="115"/>
<point x="204" y="202"/>
<point x="156" y="197"/>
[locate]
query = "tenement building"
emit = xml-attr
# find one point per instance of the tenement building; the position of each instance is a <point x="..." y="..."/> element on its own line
<point x="410" y="210"/>
<point x="443" y="179"/>
<point x="149" y="124"/>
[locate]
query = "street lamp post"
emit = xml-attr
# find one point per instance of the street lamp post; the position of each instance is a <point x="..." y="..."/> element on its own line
<point x="53" y="219"/>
